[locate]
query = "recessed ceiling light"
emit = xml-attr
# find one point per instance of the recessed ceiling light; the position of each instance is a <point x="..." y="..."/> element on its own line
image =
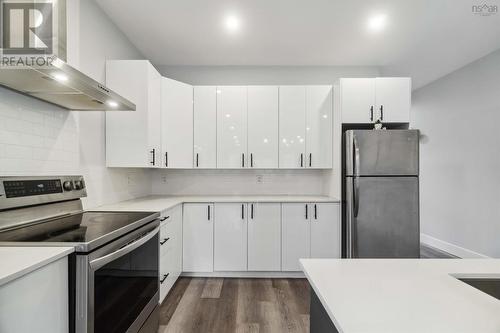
<point x="60" y="77"/>
<point x="377" y="23"/>
<point x="232" y="23"/>
<point x="113" y="104"/>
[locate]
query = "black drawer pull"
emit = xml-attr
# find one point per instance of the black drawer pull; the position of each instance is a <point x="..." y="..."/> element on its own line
<point x="165" y="276"/>
<point x="164" y="241"/>
<point x="164" y="218"/>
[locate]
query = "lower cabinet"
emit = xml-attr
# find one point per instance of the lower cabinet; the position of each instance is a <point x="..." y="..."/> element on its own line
<point x="170" y="249"/>
<point x="198" y="237"/>
<point x="309" y="230"/>
<point x="230" y="232"/>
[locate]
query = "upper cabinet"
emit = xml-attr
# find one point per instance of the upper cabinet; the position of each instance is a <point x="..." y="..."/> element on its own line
<point x="305" y="127"/>
<point x="263" y="127"/>
<point x="205" y="127"/>
<point x="232" y="127"/>
<point x="366" y="100"/>
<point x="177" y="124"/>
<point x="133" y="138"/>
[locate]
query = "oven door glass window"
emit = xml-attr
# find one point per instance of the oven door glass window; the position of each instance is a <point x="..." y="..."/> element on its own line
<point x="123" y="287"/>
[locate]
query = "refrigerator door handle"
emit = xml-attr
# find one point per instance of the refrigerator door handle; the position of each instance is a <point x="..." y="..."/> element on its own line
<point x="355" y="156"/>
<point x="355" y="195"/>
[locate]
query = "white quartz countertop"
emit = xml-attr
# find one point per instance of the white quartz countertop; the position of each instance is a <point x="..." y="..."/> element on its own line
<point x="18" y="261"/>
<point x="157" y="203"/>
<point x="405" y="295"/>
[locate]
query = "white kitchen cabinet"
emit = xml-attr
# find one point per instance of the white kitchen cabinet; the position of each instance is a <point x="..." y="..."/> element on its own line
<point x="264" y="236"/>
<point x="319" y="124"/>
<point x="37" y="301"/>
<point x="230" y="231"/>
<point x="309" y="230"/>
<point x="133" y="138"/>
<point x="232" y="127"/>
<point x="296" y="235"/>
<point x="263" y="127"/>
<point x="170" y="249"/>
<point x="198" y="237"/>
<point x="177" y="124"/>
<point x="365" y="100"/>
<point x="325" y="230"/>
<point x="292" y="129"/>
<point x="393" y="99"/>
<point x="205" y="127"/>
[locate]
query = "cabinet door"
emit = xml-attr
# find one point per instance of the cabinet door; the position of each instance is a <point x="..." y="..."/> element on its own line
<point x="295" y="237"/>
<point x="319" y="123"/>
<point x="393" y="95"/>
<point x="263" y="127"/>
<point x="357" y="98"/>
<point x="292" y="129"/>
<point x="264" y="237"/>
<point x="325" y="230"/>
<point x="132" y="136"/>
<point x="230" y="248"/>
<point x="232" y="127"/>
<point x="177" y="124"/>
<point x="205" y="127"/>
<point x="198" y="238"/>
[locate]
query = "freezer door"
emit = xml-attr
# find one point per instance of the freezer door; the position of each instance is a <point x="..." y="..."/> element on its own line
<point x="382" y="217"/>
<point x="382" y="153"/>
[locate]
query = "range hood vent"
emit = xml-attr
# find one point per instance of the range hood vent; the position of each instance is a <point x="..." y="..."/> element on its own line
<point x="64" y="86"/>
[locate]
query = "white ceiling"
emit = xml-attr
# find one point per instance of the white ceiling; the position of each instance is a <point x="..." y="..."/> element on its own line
<point x="423" y="38"/>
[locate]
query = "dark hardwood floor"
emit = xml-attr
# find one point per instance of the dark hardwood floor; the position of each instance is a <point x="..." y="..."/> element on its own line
<point x="242" y="305"/>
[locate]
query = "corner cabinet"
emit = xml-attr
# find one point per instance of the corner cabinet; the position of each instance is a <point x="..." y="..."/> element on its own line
<point x="198" y="237"/>
<point x="305" y="127"/>
<point x="133" y="138"/>
<point x="366" y="100"/>
<point x="177" y="124"/>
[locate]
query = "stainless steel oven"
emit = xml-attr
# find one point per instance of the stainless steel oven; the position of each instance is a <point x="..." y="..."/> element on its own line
<point x="117" y="285"/>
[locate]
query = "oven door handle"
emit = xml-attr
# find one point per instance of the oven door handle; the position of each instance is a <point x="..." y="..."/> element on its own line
<point x="99" y="262"/>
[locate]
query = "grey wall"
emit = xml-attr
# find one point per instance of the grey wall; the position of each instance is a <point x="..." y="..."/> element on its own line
<point x="249" y="75"/>
<point x="459" y="116"/>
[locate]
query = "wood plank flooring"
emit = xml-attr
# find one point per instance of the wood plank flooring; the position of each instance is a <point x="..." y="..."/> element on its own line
<point x="236" y="305"/>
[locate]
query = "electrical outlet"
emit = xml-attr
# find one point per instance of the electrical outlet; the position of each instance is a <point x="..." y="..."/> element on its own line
<point x="164" y="179"/>
<point x="130" y="180"/>
<point x="259" y="179"/>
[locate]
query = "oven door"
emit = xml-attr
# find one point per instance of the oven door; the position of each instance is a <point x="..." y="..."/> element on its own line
<point x="122" y="284"/>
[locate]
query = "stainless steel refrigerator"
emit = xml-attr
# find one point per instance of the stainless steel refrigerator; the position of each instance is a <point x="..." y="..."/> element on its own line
<point x="382" y="193"/>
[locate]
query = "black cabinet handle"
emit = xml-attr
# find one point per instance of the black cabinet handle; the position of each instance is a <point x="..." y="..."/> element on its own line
<point x="209" y="212"/>
<point x="381" y="112"/>
<point x="164" y="241"/>
<point x="164" y="218"/>
<point x="166" y="159"/>
<point x="251" y="211"/>
<point x="243" y="160"/>
<point x="164" y="278"/>
<point x="307" y="212"/>
<point x="242" y="211"/>
<point x="153" y="152"/>
<point x="371" y="113"/>
<point x="301" y="160"/>
<point x="315" y="212"/>
<point x="197" y="160"/>
<point x="310" y="159"/>
<point x="251" y="160"/>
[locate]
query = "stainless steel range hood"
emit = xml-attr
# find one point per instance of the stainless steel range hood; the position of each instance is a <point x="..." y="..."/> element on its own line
<point x="63" y="85"/>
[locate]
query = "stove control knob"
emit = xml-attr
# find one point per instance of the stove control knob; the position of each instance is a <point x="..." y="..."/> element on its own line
<point x="78" y="185"/>
<point x="68" y="185"/>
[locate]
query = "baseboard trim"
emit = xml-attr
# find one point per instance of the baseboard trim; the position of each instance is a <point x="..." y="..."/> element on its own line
<point x="277" y="275"/>
<point x="456" y="250"/>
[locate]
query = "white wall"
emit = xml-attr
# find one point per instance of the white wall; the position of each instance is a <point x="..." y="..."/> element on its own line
<point x="459" y="116"/>
<point x="37" y="138"/>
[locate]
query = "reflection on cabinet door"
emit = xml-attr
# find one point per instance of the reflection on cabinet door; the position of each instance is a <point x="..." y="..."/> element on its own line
<point x="198" y="238"/>
<point x="262" y="127"/>
<point x="325" y="230"/>
<point x="296" y="235"/>
<point x="319" y="122"/>
<point x="393" y="96"/>
<point x="205" y="127"/>
<point x="230" y="247"/>
<point x="292" y="131"/>
<point x="357" y="100"/>
<point x="232" y="127"/>
<point x="264" y="237"/>
<point x="177" y="124"/>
